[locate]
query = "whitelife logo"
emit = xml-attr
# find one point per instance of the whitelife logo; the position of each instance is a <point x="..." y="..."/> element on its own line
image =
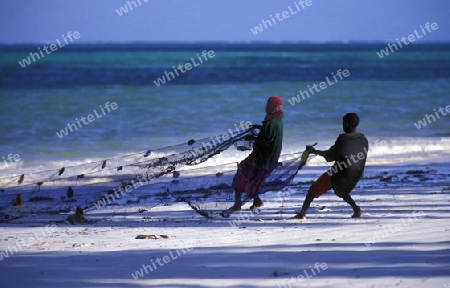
<point x="411" y="38"/>
<point x="73" y="126"/>
<point x="187" y="66"/>
<point x="35" y="56"/>
<point x="281" y="16"/>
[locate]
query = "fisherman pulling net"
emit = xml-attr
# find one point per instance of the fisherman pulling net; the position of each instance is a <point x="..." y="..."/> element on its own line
<point x="145" y="179"/>
<point x="153" y="177"/>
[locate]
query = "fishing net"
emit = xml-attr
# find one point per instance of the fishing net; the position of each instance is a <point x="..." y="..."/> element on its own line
<point x="147" y="179"/>
<point x="210" y="194"/>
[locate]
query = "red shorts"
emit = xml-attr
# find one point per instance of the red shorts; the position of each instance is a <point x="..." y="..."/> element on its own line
<point x="250" y="179"/>
<point x="321" y="186"/>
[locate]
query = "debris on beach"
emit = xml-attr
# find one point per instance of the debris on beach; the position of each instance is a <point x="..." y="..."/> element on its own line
<point x="78" y="245"/>
<point x="78" y="218"/>
<point x="142" y="236"/>
<point x="18" y="200"/>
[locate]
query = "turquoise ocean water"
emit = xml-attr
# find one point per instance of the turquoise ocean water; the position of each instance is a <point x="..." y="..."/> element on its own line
<point x="390" y="94"/>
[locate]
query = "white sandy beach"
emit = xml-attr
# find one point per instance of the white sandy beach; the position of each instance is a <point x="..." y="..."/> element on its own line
<point x="402" y="240"/>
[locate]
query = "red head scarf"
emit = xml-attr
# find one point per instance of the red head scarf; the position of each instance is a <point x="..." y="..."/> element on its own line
<point x="274" y="108"/>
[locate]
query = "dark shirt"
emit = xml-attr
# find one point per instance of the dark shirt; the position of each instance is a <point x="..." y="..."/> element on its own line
<point x="268" y="145"/>
<point x="349" y="153"/>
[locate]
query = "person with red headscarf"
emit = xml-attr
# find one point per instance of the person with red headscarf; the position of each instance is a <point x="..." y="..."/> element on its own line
<point x="253" y="170"/>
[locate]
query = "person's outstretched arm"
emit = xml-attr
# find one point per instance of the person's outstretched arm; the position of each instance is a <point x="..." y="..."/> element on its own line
<point x="329" y="155"/>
